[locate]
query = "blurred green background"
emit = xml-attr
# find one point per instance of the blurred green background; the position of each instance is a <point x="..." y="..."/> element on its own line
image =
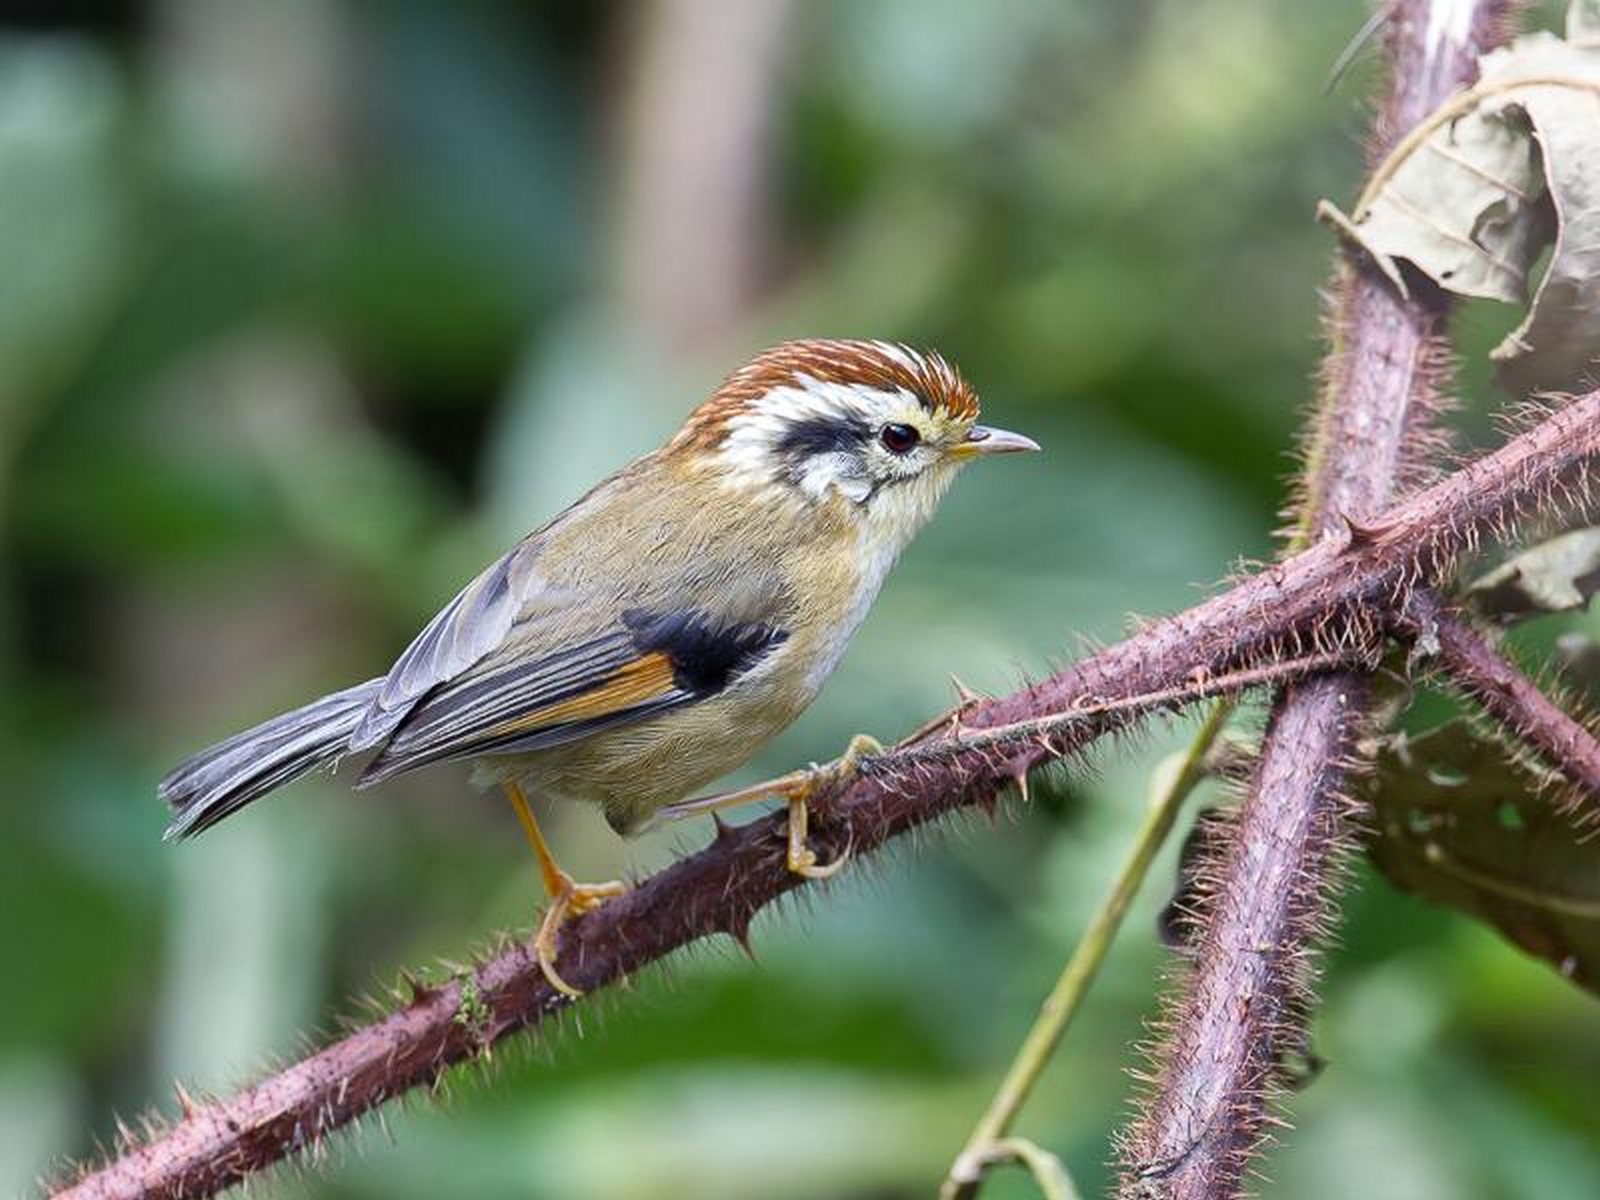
<point x="309" y="307"/>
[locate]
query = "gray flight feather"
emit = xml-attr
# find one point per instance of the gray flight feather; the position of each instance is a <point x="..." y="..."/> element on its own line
<point x="462" y="633"/>
<point x="458" y="719"/>
<point x="223" y="779"/>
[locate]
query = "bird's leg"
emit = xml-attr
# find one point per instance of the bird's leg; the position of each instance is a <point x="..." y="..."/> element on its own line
<point x="567" y="898"/>
<point x="799" y="788"/>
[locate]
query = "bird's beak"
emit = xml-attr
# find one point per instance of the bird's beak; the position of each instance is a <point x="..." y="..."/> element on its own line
<point x="985" y="440"/>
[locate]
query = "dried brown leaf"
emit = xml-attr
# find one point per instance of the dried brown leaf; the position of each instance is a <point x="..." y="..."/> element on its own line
<point x="1556" y="344"/>
<point x="1554" y="576"/>
<point x="1462" y="199"/>
<point x="1577" y="663"/>
<point x="1474" y="196"/>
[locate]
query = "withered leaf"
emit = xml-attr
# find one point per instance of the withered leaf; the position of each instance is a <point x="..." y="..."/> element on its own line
<point x="1459" y="824"/>
<point x="1462" y="198"/>
<point x="1577" y="662"/>
<point x="1583" y="22"/>
<point x="1475" y="194"/>
<point x="1559" y="338"/>
<point x="1554" y="576"/>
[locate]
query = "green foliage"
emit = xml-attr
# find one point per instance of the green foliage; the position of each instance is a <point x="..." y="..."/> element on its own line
<point x="1461" y="824"/>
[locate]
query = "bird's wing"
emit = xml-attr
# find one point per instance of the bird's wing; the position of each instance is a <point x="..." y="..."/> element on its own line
<point x="460" y="635"/>
<point x="624" y="606"/>
<point x="644" y="663"/>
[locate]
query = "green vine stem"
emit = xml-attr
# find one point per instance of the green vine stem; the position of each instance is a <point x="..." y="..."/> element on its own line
<point x="988" y="1142"/>
<point x="1046" y="1169"/>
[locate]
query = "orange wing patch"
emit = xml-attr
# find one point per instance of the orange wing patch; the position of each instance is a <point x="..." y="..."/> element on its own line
<point x="646" y="678"/>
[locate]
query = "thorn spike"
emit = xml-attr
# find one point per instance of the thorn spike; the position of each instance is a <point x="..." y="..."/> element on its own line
<point x="419" y="992"/>
<point x="738" y="928"/>
<point x="966" y="694"/>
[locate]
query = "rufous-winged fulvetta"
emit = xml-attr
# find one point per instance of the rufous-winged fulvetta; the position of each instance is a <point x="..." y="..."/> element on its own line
<point x="664" y="628"/>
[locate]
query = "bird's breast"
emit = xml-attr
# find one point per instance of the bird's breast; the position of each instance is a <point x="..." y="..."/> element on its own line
<point x="843" y="587"/>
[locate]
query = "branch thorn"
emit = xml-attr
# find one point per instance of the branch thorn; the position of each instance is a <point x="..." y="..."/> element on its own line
<point x="419" y="992"/>
<point x="966" y="694"/>
<point x="723" y="831"/>
<point x="1361" y="535"/>
<point x="738" y="928"/>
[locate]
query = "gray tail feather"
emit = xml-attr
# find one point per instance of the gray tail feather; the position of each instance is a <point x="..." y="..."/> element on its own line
<point x="220" y="781"/>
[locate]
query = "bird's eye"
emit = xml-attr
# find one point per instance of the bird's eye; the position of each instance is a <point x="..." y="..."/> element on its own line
<point x="897" y="439"/>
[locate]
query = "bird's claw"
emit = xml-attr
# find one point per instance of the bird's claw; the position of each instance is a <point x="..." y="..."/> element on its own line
<point x="567" y="900"/>
<point x="802" y="859"/>
<point x="798" y="788"/>
<point x="828" y="779"/>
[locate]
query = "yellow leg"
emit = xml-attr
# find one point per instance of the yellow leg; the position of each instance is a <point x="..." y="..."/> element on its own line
<point x="798" y="788"/>
<point x="567" y="898"/>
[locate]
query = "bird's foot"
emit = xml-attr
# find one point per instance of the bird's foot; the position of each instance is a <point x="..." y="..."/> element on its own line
<point x="568" y="899"/>
<point x="802" y="787"/>
<point x="799" y="788"/>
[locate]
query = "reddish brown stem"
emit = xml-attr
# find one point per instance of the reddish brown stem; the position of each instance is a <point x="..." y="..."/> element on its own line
<point x="1327" y="597"/>
<point x="1517" y="704"/>
<point x="1244" y="999"/>
<point x="1246" y="1002"/>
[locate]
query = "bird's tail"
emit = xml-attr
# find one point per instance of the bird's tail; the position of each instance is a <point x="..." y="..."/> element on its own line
<point x="218" y="782"/>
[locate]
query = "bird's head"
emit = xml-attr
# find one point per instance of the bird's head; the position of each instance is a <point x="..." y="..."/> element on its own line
<point x="876" y="427"/>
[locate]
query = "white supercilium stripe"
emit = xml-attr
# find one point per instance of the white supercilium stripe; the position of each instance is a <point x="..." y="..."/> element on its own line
<point x="749" y="449"/>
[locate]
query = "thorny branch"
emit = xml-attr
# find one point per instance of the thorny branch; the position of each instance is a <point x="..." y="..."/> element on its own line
<point x="1516" y="703"/>
<point x="1328" y="600"/>
<point x="1269" y="890"/>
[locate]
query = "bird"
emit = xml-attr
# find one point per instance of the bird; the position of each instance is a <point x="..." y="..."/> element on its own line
<point x="660" y="631"/>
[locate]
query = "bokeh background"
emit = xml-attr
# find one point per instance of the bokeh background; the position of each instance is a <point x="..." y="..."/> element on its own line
<point x="307" y="308"/>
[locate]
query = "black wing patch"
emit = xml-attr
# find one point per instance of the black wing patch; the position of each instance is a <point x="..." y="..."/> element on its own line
<point x="654" y="662"/>
<point x="705" y="657"/>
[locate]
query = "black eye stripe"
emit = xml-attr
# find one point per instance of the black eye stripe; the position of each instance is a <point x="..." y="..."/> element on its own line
<point x="898" y="439"/>
<point x="821" y="435"/>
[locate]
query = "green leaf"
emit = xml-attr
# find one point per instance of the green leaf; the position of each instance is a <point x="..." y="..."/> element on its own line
<point x="1459" y="824"/>
<point x="1554" y="576"/>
